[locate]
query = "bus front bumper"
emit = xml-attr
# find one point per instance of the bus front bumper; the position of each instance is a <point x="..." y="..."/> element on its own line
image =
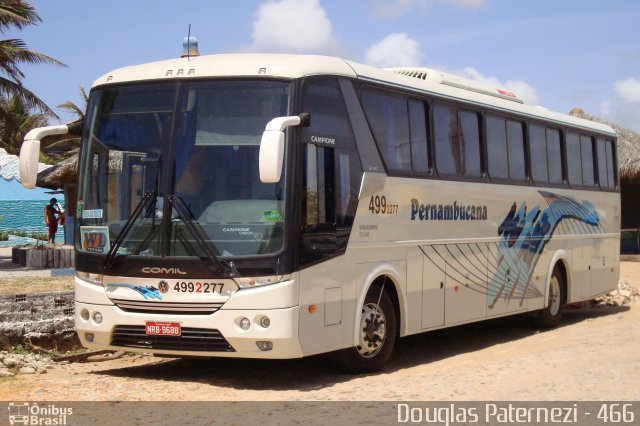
<point x="220" y="334"/>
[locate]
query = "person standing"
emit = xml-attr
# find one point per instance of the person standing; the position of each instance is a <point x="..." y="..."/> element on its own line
<point x="51" y="212"/>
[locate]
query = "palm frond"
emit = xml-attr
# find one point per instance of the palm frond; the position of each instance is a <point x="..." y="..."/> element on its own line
<point x="10" y="88"/>
<point x="17" y="14"/>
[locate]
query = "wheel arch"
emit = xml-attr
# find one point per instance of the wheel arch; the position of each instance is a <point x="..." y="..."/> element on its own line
<point x="561" y="261"/>
<point x="390" y="276"/>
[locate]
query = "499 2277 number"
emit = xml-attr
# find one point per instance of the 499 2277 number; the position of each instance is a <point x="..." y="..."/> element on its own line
<point x="379" y="205"/>
<point x="198" y="287"/>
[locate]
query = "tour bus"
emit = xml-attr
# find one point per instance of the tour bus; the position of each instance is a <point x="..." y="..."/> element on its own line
<point x="279" y="206"/>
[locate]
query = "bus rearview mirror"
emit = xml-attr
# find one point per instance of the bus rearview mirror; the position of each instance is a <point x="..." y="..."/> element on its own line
<point x="30" y="153"/>
<point x="272" y="148"/>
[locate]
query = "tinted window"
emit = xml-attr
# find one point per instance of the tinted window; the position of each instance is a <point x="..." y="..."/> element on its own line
<point x="515" y="145"/>
<point x="470" y="140"/>
<point x="418" y="128"/>
<point x="388" y="117"/>
<point x="457" y="141"/>
<point x="603" y="176"/>
<point x="505" y="146"/>
<point x="554" y="155"/>
<point x="538" y="153"/>
<point x="332" y="172"/>
<point x="497" y="155"/>
<point x="586" y="149"/>
<point x="574" y="162"/>
<point x="611" y="171"/>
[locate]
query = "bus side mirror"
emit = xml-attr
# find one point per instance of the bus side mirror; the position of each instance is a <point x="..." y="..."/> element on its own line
<point x="272" y="148"/>
<point x="30" y="153"/>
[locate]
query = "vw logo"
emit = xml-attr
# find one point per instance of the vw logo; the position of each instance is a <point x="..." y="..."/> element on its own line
<point x="163" y="286"/>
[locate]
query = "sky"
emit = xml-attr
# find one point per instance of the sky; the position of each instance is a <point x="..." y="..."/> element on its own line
<point x="559" y="54"/>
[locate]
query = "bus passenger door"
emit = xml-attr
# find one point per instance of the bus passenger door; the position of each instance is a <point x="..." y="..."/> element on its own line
<point x="433" y="281"/>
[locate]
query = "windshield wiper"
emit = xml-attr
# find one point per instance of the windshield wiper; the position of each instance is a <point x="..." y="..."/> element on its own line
<point x="197" y="232"/>
<point x="146" y="198"/>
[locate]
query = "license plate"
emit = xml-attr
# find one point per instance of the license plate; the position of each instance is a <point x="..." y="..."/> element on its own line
<point x="158" y="328"/>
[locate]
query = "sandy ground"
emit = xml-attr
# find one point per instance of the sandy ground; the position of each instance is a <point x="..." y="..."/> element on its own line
<point x="593" y="355"/>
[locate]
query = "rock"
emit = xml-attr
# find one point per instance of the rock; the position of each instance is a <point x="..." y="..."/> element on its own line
<point x="5" y="373"/>
<point x="11" y="362"/>
<point x="27" y="370"/>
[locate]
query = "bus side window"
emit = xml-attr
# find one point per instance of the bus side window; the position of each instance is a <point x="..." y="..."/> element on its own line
<point x="457" y="141"/>
<point x="586" y="149"/>
<point x="538" y="154"/>
<point x="387" y="116"/>
<point x="574" y="161"/>
<point x="554" y="155"/>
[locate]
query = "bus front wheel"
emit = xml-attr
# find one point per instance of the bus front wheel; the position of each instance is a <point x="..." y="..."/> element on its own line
<point x="550" y="316"/>
<point x="377" y="334"/>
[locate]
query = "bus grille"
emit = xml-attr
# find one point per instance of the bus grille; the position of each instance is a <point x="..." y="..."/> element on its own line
<point x="192" y="339"/>
<point x="167" y="307"/>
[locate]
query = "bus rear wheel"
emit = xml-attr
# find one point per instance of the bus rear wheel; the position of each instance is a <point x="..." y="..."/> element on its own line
<point x="377" y="334"/>
<point x="550" y="316"/>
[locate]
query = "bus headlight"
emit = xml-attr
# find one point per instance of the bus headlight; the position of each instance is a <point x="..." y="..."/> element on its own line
<point x="249" y="282"/>
<point x="89" y="277"/>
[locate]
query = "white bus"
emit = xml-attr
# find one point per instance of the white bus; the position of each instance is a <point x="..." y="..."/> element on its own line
<point x="279" y="206"/>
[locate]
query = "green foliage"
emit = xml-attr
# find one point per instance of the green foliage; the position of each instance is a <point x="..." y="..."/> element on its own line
<point x="43" y="236"/>
<point x="4" y="236"/>
<point x="18" y="14"/>
<point x="19" y="350"/>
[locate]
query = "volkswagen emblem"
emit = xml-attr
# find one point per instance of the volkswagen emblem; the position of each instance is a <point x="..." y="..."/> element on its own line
<point x="163" y="286"/>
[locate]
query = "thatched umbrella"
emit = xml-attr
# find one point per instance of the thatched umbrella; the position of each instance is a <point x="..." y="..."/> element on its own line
<point x="628" y="146"/>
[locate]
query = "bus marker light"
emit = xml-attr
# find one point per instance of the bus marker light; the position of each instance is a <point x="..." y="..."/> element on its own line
<point x="265" y="322"/>
<point x="456" y="288"/>
<point x="97" y="317"/>
<point x="89" y="337"/>
<point x="245" y="323"/>
<point x="264" y="346"/>
<point x="313" y="309"/>
<point x="84" y="314"/>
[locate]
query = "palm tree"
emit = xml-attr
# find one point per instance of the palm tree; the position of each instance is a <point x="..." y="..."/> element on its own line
<point x="17" y="120"/>
<point x="17" y="14"/>
<point x="61" y="146"/>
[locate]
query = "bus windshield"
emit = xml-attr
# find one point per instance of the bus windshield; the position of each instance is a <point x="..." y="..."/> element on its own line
<point x="171" y="169"/>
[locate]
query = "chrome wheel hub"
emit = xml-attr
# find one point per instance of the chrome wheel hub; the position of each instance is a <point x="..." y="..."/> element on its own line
<point x="372" y="330"/>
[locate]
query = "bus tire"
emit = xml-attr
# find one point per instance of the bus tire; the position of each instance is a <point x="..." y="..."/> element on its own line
<point x="551" y="316"/>
<point x="377" y="335"/>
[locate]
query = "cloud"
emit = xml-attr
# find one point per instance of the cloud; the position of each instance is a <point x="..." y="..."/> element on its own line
<point x="292" y="26"/>
<point x="628" y="90"/>
<point x="393" y="9"/>
<point x="396" y="49"/>
<point x="468" y="4"/>
<point x="625" y="110"/>
<point x="522" y="89"/>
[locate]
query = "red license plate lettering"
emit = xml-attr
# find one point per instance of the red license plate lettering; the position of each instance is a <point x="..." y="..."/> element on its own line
<point x="158" y="328"/>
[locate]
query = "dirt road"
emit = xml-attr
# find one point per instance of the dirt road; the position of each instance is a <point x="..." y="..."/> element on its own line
<point x="592" y="356"/>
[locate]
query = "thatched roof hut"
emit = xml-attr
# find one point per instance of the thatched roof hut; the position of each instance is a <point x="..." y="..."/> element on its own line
<point x="61" y="174"/>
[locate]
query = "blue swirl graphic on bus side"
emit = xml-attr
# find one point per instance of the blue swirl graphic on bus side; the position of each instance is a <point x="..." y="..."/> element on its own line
<point x="148" y="292"/>
<point x="525" y="232"/>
